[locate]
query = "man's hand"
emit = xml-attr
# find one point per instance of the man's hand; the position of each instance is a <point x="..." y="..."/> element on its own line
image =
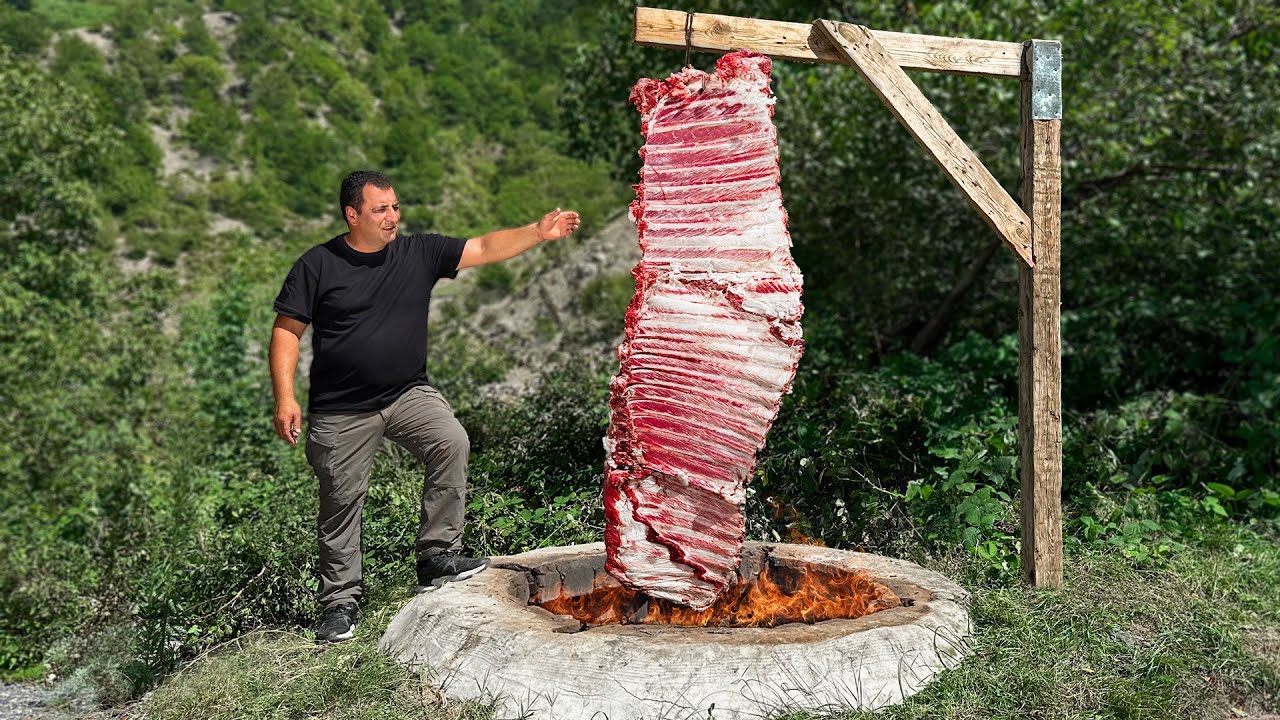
<point x="288" y="421"/>
<point x="557" y="224"/>
<point x="285" y="335"/>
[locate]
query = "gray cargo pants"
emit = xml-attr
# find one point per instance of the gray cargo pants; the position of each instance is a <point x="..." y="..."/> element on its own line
<point x="341" y="448"/>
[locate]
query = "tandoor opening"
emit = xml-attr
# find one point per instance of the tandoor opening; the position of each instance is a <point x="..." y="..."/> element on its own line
<point x="776" y="595"/>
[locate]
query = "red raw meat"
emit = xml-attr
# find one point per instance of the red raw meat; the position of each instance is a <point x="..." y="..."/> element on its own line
<point x="713" y="331"/>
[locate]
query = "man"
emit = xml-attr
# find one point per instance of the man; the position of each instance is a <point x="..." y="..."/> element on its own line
<point x="366" y="294"/>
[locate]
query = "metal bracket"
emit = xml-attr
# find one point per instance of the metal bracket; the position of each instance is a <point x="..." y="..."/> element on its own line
<point x="1045" y="65"/>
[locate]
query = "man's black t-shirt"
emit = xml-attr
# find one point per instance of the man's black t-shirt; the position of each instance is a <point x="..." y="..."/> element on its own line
<point x="368" y="317"/>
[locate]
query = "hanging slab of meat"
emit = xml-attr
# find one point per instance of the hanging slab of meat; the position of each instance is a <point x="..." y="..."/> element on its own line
<point x="712" y="333"/>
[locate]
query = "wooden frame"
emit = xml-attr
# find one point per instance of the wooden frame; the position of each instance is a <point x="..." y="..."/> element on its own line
<point x="802" y="42"/>
<point x="1030" y="228"/>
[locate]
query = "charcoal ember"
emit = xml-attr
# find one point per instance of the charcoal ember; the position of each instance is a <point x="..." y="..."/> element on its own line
<point x="712" y="333"/>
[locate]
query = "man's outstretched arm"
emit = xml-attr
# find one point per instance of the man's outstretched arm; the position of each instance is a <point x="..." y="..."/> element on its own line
<point x="285" y="337"/>
<point x="501" y="245"/>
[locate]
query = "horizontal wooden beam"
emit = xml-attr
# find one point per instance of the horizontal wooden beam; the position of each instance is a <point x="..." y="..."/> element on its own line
<point x="859" y="47"/>
<point x="800" y="42"/>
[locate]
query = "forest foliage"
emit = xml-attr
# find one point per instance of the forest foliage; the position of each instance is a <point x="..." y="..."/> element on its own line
<point x="165" y="161"/>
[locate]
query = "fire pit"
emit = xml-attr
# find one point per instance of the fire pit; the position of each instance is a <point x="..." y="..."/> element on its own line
<point x="552" y="634"/>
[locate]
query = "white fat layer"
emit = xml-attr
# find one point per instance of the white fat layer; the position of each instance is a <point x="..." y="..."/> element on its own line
<point x="751" y="100"/>
<point x="771" y="380"/>
<point x="687" y="478"/>
<point x="702" y="416"/>
<point x="749" y="400"/>
<point x="759" y="120"/>
<point x="715" y="264"/>
<point x="749" y="394"/>
<point x="667" y="189"/>
<point x="709" y="173"/>
<point x="649" y="565"/>
<point x="761" y="162"/>
<point x="734" y="461"/>
<point x="729" y="356"/>
<point x="776" y="305"/>
<point x="704" y="101"/>
<point x="724" y="248"/>
<point x="736" y="205"/>
<point x="684" y="329"/>
<point x="688" y="311"/>
<point x="703" y="366"/>
<point x="691" y="505"/>
<point x="694" y="313"/>
<point x="728" y="146"/>
<point x="750" y="237"/>
<point x="767" y="219"/>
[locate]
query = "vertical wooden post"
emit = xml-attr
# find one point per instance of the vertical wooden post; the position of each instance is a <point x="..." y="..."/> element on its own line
<point x="1039" y="334"/>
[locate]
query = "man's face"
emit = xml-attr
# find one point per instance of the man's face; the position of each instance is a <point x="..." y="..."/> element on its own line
<point x="379" y="216"/>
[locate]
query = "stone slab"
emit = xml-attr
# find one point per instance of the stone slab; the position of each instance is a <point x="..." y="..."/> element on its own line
<point x="481" y="640"/>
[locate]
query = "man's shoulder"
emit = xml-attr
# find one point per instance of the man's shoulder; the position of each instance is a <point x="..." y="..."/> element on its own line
<point x="318" y="253"/>
<point x="325" y="248"/>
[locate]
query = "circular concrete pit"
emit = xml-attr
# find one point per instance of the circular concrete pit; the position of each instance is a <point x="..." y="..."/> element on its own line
<point x="481" y="638"/>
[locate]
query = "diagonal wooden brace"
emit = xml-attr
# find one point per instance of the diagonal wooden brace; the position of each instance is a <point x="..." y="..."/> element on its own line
<point x="890" y="82"/>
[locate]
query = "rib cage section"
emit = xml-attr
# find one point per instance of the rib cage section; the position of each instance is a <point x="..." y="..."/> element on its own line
<point x="712" y="333"/>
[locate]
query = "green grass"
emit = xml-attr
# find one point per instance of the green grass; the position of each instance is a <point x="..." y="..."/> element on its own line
<point x="64" y="14"/>
<point x="1198" y="636"/>
<point x="270" y="674"/>
<point x="1185" y="640"/>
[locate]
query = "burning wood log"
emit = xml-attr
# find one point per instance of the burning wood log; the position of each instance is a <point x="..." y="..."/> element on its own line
<point x="766" y="595"/>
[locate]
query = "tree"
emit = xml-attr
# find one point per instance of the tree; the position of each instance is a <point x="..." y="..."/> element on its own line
<point x="24" y="32"/>
<point x="49" y="161"/>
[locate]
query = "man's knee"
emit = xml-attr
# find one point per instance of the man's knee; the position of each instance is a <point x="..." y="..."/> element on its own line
<point x="454" y="442"/>
<point x="342" y="497"/>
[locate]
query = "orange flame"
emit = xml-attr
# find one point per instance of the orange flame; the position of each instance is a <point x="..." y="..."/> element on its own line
<point x="795" y="595"/>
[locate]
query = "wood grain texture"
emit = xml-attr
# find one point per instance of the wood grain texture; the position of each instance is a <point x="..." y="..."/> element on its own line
<point x="1040" y="351"/>
<point x="863" y="51"/>
<point x="802" y="43"/>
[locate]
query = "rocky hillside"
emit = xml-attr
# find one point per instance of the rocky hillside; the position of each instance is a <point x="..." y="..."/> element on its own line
<point x="553" y="301"/>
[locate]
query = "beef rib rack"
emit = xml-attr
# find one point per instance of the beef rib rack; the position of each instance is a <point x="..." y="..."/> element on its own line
<point x="712" y="333"/>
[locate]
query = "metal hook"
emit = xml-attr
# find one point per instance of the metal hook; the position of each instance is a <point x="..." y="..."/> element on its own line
<point x="688" y="36"/>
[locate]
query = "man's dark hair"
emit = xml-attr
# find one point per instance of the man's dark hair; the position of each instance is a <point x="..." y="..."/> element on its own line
<point x="352" y="194"/>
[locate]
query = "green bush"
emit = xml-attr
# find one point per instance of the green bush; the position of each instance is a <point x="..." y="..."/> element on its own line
<point x="81" y="64"/>
<point x="213" y="128"/>
<point x="195" y="35"/>
<point x="143" y="60"/>
<point x="605" y="298"/>
<point x="201" y="77"/>
<point x="350" y="100"/>
<point x="494" y="281"/>
<point x="538" y="463"/>
<point x="52" y="156"/>
<point x="305" y="157"/>
<point x="257" y="42"/>
<point x="25" y="33"/>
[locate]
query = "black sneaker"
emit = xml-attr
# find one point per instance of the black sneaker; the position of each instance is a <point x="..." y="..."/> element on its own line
<point x="337" y="623"/>
<point x="436" y="570"/>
